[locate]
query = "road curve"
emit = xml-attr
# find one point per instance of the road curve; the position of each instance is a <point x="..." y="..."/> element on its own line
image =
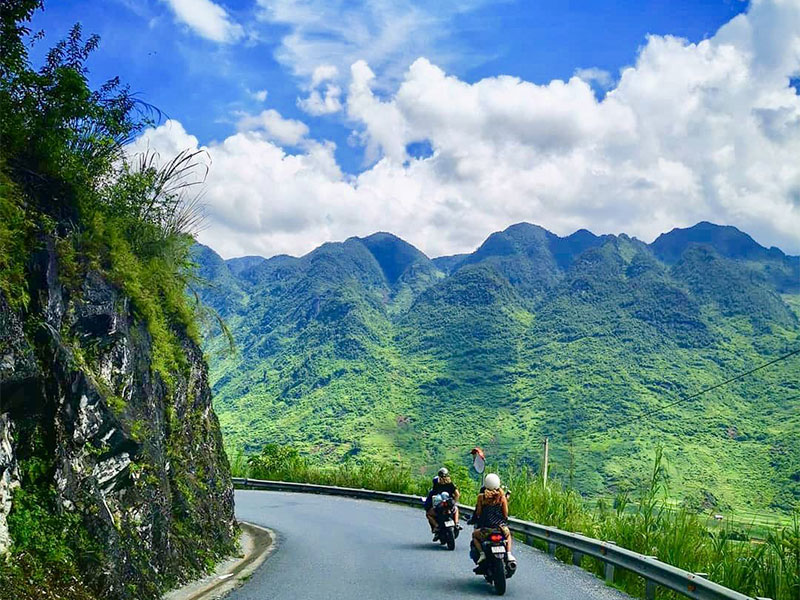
<point x="339" y="548"/>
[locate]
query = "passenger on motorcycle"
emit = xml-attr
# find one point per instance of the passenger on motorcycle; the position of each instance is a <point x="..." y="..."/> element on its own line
<point x="441" y="483"/>
<point x="491" y="512"/>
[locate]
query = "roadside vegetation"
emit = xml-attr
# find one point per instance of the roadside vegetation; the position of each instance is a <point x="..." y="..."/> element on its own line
<point x="640" y="519"/>
<point x="68" y="184"/>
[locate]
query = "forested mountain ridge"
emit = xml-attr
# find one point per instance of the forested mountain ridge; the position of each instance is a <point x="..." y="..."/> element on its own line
<point x="367" y="346"/>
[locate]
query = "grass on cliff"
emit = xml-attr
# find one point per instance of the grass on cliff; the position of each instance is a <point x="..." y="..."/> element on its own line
<point x="642" y="520"/>
<point x="68" y="183"/>
<point x="65" y="175"/>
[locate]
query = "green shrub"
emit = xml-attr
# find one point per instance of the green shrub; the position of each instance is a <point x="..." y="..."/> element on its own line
<point x="66" y="182"/>
<point x="51" y="549"/>
<point x="15" y="233"/>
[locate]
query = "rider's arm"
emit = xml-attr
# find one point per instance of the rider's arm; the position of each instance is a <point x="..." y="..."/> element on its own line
<point x="505" y="506"/>
<point x="478" y="506"/>
<point x="457" y="494"/>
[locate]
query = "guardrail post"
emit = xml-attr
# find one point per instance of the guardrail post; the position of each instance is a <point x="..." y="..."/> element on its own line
<point x="650" y="590"/>
<point x="609" y="567"/>
<point x="609" y="573"/>
<point x="551" y="548"/>
<point x="576" y="558"/>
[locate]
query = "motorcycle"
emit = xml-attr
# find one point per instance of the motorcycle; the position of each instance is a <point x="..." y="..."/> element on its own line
<point x="496" y="566"/>
<point x="445" y="512"/>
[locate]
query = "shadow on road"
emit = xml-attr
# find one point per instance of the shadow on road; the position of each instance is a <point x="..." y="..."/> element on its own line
<point x="469" y="586"/>
<point x="420" y="546"/>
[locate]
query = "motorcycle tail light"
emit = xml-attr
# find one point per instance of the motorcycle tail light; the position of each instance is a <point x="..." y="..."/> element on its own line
<point x="496" y="537"/>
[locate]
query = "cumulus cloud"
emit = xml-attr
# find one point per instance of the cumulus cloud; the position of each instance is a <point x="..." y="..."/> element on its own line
<point x="323" y="73"/>
<point x="259" y="95"/>
<point x="322" y="102"/>
<point x="690" y="132"/>
<point x="287" y="132"/>
<point x="207" y="19"/>
<point x="599" y="76"/>
<point x="167" y="140"/>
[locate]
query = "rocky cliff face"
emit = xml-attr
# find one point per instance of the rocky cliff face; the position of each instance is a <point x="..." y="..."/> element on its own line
<point x="130" y="460"/>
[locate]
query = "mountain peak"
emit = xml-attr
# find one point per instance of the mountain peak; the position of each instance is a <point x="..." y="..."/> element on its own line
<point x="725" y="239"/>
<point x="394" y="255"/>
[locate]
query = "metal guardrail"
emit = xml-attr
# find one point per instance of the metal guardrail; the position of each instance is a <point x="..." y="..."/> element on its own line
<point x="655" y="572"/>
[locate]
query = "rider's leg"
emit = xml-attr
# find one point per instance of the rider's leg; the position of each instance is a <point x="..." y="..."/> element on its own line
<point x="432" y="520"/>
<point x="477" y="538"/>
<point x="507" y="533"/>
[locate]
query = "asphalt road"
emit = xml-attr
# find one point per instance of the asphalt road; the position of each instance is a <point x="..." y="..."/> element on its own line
<point x="338" y="548"/>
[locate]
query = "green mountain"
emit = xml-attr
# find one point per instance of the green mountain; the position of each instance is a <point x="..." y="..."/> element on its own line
<point x="369" y="347"/>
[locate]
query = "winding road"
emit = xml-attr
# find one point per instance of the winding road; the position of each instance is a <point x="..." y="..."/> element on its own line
<point x="339" y="548"/>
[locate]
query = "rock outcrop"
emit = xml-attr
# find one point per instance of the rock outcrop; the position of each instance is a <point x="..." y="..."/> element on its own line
<point x="134" y="456"/>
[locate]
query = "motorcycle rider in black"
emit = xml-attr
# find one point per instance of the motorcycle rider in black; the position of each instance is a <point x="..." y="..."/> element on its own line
<point x="441" y="483"/>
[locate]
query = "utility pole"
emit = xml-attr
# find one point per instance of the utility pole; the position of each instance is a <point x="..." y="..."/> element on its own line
<point x="546" y="459"/>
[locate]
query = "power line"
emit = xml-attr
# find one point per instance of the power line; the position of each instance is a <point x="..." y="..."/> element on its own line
<point x="715" y="386"/>
<point x="627" y="420"/>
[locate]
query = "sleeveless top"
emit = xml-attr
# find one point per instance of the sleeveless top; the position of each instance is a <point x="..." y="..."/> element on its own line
<point x="492" y="514"/>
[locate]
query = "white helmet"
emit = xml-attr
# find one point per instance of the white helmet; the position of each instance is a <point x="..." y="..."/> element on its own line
<point x="443" y="472"/>
<point x="492" y="481"/>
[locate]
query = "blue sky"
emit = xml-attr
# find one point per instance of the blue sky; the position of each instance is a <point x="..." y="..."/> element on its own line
<point x="445" y="121"/>
<point x="202" y="83"/>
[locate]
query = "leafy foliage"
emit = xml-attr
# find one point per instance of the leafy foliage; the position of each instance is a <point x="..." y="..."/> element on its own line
<point x="66" y="183"/>
<point x="532" y="335"/>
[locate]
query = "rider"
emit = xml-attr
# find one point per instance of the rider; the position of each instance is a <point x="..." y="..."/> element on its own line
<point x="491" y="512"/>
<point x="441" y="483"/>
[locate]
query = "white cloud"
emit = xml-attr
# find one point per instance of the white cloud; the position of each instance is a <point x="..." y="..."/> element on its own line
<point x="259" y="95"/>
<point x="706" y="131"/>
<point x="287" y="132"/>
<point x="323" y="73"/>
<point x="599" y="76"/>
<point x="322" y="103"/>
<point x="207" y="19"/>
<point x="388" y="34"/>
<point x="168" y="140"/>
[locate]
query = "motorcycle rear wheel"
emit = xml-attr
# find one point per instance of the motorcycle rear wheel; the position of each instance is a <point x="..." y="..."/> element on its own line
<point x="499" y="576"/>
<point x="449" y="538"/>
